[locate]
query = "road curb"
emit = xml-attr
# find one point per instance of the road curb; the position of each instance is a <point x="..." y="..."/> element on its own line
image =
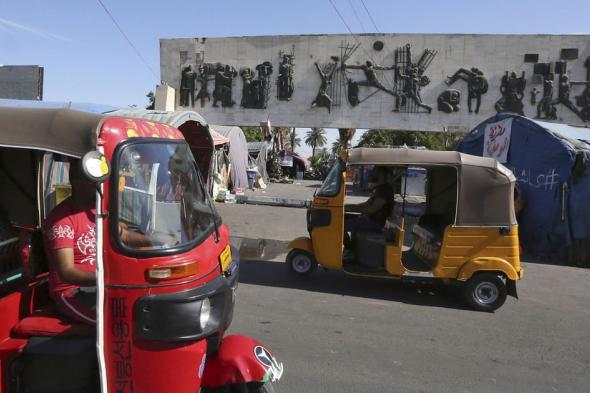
<point x="271" y="201"/>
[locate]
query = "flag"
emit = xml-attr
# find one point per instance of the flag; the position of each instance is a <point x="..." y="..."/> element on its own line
<point x="266" y="130"/>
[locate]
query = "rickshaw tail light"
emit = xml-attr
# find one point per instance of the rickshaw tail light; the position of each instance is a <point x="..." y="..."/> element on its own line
<point x="321" y="201"/>
<point x="171" y="272"/>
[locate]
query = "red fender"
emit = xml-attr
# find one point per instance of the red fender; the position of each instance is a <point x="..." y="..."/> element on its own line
<point x="240" y="359"/>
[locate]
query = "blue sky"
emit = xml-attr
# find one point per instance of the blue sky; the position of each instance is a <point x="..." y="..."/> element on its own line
<point x="86" y="58"/>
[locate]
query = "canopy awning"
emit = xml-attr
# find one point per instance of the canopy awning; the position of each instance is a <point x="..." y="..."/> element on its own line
<point x="485" y="187"/>
<point x="64" y="131"/>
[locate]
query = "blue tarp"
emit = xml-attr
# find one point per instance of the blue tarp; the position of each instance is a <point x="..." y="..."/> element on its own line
<point x="542" y="156"/>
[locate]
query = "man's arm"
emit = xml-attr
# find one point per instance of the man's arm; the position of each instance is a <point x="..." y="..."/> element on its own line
<point x="319" y="70"/>
<point x="369" y="207"/>
<point x="134" y="239"/>
<point x="69" y="273"/>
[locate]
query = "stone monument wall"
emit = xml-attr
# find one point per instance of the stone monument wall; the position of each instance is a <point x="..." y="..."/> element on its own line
<point x="396" y="81"/>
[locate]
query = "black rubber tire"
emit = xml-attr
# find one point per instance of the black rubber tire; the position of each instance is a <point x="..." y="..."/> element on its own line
<point x="295" y="263"/>
<point x="264" y="388"/>
<point x="485" y="292"/>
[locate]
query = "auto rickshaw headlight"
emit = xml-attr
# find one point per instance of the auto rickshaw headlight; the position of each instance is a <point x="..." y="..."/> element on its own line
<point x="205" y="313"/>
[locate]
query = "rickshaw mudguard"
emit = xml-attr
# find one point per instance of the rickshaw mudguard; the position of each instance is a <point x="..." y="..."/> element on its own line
<point x="301" y="243"/>
<point x="488" y="264"/>
<point x="240" y="359"/>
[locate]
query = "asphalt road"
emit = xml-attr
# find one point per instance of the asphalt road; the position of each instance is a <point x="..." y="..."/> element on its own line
<point x="336" y="333"/>
<point x="341" y="334"/>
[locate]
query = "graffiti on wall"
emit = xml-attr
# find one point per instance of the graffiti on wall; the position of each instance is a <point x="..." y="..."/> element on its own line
<point x="546" y="181"/>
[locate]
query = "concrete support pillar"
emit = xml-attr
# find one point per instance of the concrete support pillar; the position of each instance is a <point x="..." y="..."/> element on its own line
<point x="165" y="96"/>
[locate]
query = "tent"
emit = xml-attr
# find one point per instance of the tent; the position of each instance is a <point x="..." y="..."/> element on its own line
<point x="238" y="154"/>
<point x="550" y="163"/>
<point x="258" y="155"/>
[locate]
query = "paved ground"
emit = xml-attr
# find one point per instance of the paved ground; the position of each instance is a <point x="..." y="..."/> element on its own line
<point x="299" y="189"/>
<point x="340" y="334"/>
<point x="336" y="333"/>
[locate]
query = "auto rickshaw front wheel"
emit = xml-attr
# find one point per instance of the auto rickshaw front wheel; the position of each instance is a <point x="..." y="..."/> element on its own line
<point x="301" y="262"/>
<point x="485" y="292"/>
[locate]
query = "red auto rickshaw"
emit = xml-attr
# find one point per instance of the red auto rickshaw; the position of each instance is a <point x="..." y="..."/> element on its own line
<point x="162" y="309"/>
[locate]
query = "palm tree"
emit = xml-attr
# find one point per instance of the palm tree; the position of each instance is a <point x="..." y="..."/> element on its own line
<point x="152" y="100"/>
<point x="338" y="145"/>
<point x="294" y="141"/>
<point x="316" y="137"/>
<point x="346" y="135"/>
<point x="279" y="136"/>
<point x="323" y="153"/>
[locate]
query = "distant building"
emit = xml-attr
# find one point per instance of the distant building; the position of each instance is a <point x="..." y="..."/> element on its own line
<point x="21" y="82"/>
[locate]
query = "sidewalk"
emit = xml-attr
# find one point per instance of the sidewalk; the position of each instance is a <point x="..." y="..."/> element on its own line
<point x="297" y="194"/>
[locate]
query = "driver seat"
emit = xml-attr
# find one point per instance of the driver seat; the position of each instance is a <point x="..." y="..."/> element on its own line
<point x="48" y="322"/>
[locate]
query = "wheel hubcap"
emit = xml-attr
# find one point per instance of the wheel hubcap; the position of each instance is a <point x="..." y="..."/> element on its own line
<point x="486" y="293"/>
<point x="301" y="263"/>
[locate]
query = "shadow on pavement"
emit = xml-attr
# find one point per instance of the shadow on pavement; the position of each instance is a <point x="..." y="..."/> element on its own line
<point x="276" y="274"/>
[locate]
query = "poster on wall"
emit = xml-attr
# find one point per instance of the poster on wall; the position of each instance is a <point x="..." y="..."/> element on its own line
<point x="497" y="140"/>
<point x="287" y="161"/>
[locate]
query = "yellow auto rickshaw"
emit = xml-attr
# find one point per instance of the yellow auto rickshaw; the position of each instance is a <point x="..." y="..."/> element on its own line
<point x="466" y="231"/>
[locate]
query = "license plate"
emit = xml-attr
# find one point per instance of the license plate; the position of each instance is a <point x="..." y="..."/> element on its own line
<point x="225" y="258"/>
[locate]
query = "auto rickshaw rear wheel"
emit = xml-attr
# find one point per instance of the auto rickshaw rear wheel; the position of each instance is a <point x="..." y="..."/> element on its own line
<point x="485" y="292"/>
<point x="301" y="262"/>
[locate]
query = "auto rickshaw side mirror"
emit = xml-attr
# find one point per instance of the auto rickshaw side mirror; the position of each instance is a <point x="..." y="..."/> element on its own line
<point x="95" y="166"/>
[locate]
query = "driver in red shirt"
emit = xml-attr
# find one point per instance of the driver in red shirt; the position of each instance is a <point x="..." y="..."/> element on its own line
<point x="70" y="245"/>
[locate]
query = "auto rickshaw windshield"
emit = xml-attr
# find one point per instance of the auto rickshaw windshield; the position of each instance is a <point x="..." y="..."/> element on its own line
<point x="331" y="185"/>
<point x="162" y="203"/>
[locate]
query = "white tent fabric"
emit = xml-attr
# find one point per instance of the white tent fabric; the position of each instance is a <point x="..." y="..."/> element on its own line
<point x="258" y="155"/>
<point x="218" y="139"/>
<point x="238" y="154"/>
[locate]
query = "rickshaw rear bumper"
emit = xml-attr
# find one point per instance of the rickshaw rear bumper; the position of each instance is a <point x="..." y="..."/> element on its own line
<point x="179" y="316"/>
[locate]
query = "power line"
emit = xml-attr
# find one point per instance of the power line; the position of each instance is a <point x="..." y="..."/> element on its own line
<point x="137" y="52"/>
<point x="389" y="81"/>
<point x="370" y="16"/>
<point x="342" y="19"/>
<point x="357" y="16"/>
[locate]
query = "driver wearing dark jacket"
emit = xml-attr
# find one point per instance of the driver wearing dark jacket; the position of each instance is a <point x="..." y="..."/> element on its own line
<point x="375" y="210"/>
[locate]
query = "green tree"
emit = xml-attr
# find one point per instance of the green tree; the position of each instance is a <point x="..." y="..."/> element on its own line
<point x="323" y="154"/>
<point x="253" y="134"/>
<point x="293" y="142"/>
<point x="384" y="138"/>
<point x="345" y="135"/>
<point x="152" y="100"/>
<point x="338" y="146"/>
<point x="320" y="159"/>
<point x="316" y="137"/>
